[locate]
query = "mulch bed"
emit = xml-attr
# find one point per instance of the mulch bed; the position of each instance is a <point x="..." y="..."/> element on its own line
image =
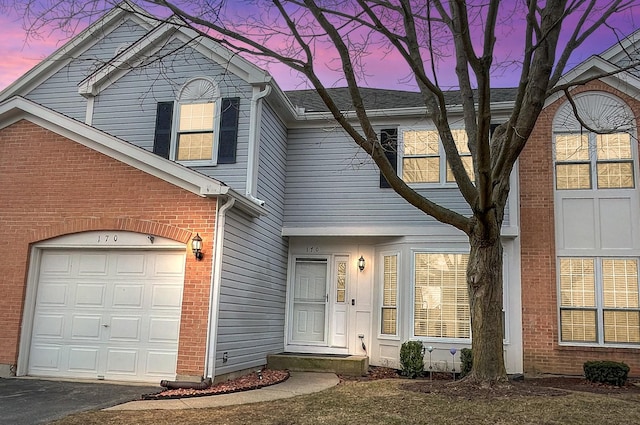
<point x="548" y="386"/>
<point x="252" y="381"/>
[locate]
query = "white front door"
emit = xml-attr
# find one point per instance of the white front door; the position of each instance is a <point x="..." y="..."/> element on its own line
<point x="309" y="310"/>
<point x="319" y="308"/>
<point x="107" y="314"/>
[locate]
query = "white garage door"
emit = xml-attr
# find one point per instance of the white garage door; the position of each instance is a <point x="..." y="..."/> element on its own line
<point x="107" y="314"/>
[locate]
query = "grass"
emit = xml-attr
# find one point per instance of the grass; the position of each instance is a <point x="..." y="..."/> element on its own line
<point x="385" y="402"/>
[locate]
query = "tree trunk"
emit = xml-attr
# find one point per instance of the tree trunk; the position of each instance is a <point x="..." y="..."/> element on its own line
<point x="485" y="281"/>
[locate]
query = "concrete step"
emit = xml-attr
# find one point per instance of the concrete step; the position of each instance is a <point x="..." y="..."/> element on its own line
<point x="302" y="362"/>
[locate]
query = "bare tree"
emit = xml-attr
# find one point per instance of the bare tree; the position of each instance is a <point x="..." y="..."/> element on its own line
<point x="419" y="32"/>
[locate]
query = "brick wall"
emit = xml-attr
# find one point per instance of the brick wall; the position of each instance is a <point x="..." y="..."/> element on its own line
<point x="542" y="353"/>
<point x="51" y="186"/>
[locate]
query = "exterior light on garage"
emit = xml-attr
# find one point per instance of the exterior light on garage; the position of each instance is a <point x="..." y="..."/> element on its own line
<point x="361" y="263"/>
<point x="196" y="246"/>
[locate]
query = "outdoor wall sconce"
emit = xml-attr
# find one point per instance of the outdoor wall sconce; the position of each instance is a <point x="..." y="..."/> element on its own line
<point x="361" y="263"/>
<point x="196" y="246"/>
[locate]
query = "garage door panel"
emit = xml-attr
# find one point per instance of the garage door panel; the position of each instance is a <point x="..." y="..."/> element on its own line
<point x="45" y="358"/>
<point x="125" y="329"/>
<point x="86" y="327"/>
<point x="130" y="265"/>
<point x="160" y="363"/>
<point x="169" y="265"/>
<point x="55" y="265"/>
<point x="166" y="296"/>
<point x="53" y="294"/>
<point x="92" y="264"/>
<point x="122" y="361"/>
<point x="127" y="296"/>
<point x="90" y="295"/>
<point x="163" y="329"/>
<point x="112" y="313"/>
<point x="84" y="359"/>
<point x="49" y="326"/>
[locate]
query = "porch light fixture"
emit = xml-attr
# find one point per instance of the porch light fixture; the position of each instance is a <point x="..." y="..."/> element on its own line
<point x="196" y="246"/>
<point x="361" y="263"/>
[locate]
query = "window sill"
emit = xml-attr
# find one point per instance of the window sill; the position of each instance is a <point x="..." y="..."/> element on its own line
<point x="564" y="346"/>
<point x="197" y="163"/>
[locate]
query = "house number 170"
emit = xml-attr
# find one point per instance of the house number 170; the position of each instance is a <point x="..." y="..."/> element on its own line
<point x="107" y="238"/>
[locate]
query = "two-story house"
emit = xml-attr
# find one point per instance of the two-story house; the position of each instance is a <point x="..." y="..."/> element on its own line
<point x="168" y="211"/>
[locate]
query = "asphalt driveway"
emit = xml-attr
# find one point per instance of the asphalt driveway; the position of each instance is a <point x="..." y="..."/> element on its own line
<point x="34" y="401"/>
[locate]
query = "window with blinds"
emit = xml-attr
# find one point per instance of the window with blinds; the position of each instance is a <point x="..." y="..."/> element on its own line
<point x="389" y="309"/>
<point x="599" y="300"/>
<point x="580" y="156"/>
<point x="441" y="308"/>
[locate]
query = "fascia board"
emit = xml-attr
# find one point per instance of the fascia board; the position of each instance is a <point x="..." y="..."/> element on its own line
<point x="132" y="57"/>
<point x="593" y="67"/>
<point x="18" y="108"/>
<point x="304" y="119"/>
<point x="62" y="56"/>
<point x="616" y="52"/>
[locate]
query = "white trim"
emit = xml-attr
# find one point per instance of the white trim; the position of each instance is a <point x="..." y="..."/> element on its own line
<point x="216" y="284"/>
<point x="88" y="119"/>
<point x="255" y="120"/>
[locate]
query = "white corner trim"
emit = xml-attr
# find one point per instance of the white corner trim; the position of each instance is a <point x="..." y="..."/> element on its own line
<point x="255" y="115"/>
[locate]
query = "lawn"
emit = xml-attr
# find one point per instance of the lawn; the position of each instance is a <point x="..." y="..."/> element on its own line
<point x="391" y="401"/>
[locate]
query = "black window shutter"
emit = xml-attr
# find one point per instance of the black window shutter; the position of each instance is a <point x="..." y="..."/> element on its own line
<point x="162" y="138"/>
<point x="389" y="142"/>
<point x="492" y="129"/>
<point x="228" y="139"/>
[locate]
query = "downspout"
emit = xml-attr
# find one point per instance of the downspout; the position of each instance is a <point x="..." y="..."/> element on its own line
<point x="216" y="281"/>
<point x="254" y="143"/>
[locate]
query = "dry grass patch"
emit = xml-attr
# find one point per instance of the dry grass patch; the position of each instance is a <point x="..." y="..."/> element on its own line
<point x="389" y="401"/>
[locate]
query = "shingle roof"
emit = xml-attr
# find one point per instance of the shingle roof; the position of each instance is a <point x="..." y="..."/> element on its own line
<point x="381" y="98"/>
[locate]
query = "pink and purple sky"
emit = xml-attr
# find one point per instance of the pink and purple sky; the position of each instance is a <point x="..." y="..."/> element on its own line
<point x="19" y="54"/>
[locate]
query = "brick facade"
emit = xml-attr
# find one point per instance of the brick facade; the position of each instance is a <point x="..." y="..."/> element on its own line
<point x="51" y="186"/>
<point x="542" y="352"/>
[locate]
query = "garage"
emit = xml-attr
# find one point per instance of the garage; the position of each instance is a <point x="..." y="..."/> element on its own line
<point x="111" y="313"/>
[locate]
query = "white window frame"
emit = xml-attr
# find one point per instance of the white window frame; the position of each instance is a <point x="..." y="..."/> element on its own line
<point x="413" y="299"/>
<point x="195" y="91"/>
<point x="593" y="162"/>
<point x="599" y="302"/>
<point x="396" y="336"/>
<point x="441" y="155"/>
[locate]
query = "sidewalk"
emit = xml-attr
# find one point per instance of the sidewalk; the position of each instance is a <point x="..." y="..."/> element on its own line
<point x="298" y="383"/>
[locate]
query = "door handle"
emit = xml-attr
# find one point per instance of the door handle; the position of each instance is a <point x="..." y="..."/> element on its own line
<point x="104" y="325"/>
<point x="353" y="301"/>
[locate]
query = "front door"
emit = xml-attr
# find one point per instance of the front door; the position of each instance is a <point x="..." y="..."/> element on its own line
<point x="319" y="302"/>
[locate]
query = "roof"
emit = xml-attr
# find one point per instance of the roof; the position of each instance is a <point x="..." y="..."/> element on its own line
<point x="375" y="99"/>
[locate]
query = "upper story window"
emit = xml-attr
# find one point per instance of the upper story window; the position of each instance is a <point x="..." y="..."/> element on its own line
<point x="199" y="128"/>
<point x="604" y="159"/>
<point x="588" y="160"/>
<point x="424" y="160"/>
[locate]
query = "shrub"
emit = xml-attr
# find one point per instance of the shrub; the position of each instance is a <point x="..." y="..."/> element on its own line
<point x="606" y="372"/>
<point x="466" y="361"/>
<point x="411" y="359"/>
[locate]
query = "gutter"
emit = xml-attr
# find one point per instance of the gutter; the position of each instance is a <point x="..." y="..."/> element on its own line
<point x="254" y="143"/>
<point x="216" y="282"/>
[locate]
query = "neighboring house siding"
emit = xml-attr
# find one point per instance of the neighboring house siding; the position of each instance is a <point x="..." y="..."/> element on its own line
<point x="332" y="182"/>
<point x="60" y="92"/>
<point x="542" y="351"/>
<point x="76" y="189"/>
<point x="127" y="108"/>
<point x="253" y="291"/>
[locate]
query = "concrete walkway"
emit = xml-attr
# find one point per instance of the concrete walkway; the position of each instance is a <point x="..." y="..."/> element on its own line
<point x="298" y="383"/>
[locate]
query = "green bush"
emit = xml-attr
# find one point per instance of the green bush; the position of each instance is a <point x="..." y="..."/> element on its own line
<point x="466" y="361"/>
<point x="411" y="359"/>
<point x="606" y="372"/>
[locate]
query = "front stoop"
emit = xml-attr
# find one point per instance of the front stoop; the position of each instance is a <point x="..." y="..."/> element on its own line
<point x="341" y="365"/>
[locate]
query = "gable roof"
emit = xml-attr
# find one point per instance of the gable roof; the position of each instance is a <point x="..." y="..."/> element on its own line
<point x="18" y="108"/>
<point x="76" y="46"/>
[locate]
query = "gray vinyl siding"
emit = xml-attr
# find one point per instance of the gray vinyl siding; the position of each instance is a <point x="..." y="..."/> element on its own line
<point x="332" y="182"/>
<point x="60" y="92"/>
<point x="127" y="108"/>
<point x="254" y="272"/>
